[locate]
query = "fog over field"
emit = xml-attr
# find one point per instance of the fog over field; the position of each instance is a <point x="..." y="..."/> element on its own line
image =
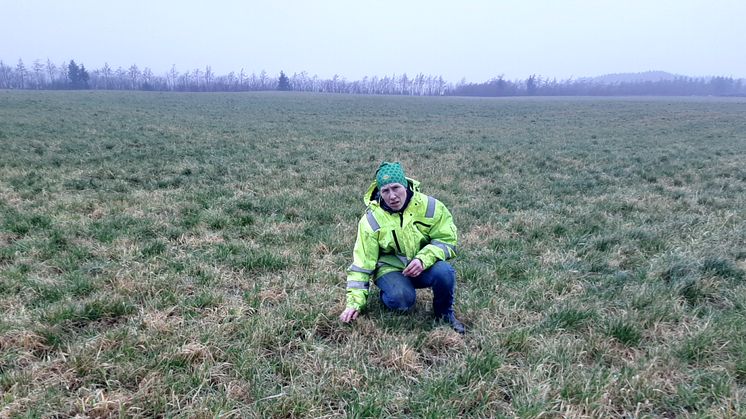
<point x="475" y="40"/>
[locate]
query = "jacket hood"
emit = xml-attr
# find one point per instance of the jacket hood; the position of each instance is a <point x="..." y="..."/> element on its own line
<point x="371" y="196"/>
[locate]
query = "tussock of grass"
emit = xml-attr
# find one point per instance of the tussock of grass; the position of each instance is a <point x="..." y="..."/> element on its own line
<point x="625" y="332"/>
<point x="184" y="255"/>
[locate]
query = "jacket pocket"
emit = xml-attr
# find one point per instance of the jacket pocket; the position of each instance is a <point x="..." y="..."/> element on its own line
<point x="423" y="228"/>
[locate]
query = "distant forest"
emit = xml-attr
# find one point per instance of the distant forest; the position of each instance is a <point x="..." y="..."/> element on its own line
<point x="71" y="75"/>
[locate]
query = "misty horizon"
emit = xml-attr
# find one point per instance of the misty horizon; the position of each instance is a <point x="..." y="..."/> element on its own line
<point x="626" y="76"/>
<point x="76" y="76"/>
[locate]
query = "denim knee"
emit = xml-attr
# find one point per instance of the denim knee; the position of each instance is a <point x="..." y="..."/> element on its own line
<point x="398" y="298"/>
<point x="444" y="276"/>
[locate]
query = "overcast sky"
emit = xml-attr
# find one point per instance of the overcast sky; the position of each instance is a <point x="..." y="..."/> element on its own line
<point x="476" y="40"/>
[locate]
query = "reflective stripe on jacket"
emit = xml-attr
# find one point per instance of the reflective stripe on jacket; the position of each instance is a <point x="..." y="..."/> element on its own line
<point x="387" y="242"/>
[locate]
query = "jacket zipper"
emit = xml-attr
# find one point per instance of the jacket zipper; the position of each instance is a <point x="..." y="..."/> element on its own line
<point x="396" y="241"/>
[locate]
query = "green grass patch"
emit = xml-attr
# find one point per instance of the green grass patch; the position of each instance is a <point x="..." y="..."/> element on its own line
<point x="183" y="255"/>
<point x="626" y="332"/>
<point x="568" y="318"/>
<point x="76" y="314"/>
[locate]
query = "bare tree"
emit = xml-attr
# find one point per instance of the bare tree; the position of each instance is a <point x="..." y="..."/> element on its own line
<point x="263" y="80"/>
<point x="230" y="81"/>
<point x="185" y="80"/>
<point x="208" y="77"/>
<point x="63" y="75"/>
<point x="532" y="84"/>
<point x="241" y="79"/>
<point x="172" y="77"/>
<point x="21" y="75"/>
<point x="253" y="82"/>
<point x="51" y="71"/>
<point x="106" y="73"/>
<point x="197" y="74"/>
<point x="120" y="78"/>
<point x="5" y="75"/>
<point x="147" y="78"/>
<point x="38" y="74"/>
<point x="134" y="76"/>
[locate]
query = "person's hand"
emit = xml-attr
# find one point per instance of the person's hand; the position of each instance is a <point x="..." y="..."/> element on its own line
<point x="348" y="315"/>
<point x="414" y="268"/>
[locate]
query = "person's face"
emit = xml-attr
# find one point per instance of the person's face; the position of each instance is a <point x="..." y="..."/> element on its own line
<point x="394" y="195"/>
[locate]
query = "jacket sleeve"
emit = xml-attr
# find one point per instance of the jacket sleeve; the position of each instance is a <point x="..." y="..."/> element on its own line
<point x="443" y="238"/>
<point x="364" y="259"/>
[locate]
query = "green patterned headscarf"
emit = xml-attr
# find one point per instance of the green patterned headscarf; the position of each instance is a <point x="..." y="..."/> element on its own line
<point x="390" y="173"/>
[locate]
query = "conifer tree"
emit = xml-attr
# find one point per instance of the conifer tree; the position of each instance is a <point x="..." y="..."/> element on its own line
<point x="283" y="82"/>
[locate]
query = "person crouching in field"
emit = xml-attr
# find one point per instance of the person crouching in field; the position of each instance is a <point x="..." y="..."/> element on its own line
<point x="403" y="242"/>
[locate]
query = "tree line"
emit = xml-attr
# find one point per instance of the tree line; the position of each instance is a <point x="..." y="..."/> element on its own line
<point x="537" y="86"/>
<point x="71" y="75"/>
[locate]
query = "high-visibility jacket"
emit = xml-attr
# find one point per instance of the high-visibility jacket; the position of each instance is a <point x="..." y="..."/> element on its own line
<point x="387" y="242"/>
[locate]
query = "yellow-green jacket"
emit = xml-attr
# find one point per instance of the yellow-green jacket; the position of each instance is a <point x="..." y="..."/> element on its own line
<point x="387" y="242"/>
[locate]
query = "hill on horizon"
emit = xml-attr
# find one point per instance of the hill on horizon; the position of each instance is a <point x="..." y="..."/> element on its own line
<point x="651" y="76"/>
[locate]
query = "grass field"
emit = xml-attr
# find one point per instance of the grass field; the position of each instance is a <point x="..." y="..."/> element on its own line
<point x="168" y="254"/>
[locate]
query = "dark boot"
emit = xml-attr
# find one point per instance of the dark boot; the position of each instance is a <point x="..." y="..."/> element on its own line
<point x="454" y="322"/>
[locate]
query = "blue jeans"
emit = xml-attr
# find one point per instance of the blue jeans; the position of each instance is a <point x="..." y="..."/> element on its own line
<point x="398" y="291"/>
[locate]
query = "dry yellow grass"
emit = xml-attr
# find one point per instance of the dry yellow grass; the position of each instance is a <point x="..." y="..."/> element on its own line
<point x="185" y="256"/>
